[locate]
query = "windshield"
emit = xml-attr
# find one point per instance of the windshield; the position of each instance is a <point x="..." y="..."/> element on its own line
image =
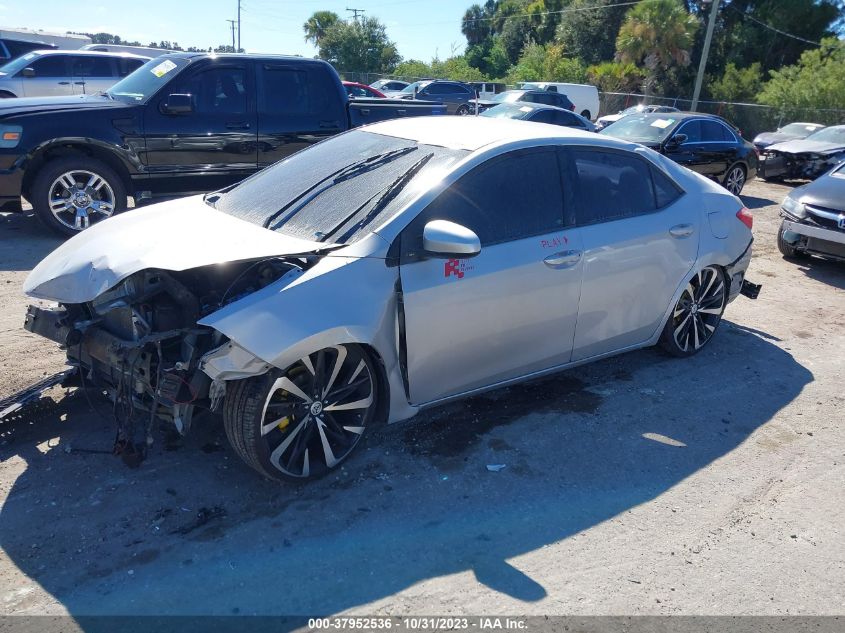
<point x="632" y="110"/>
<point x="332" y="191"/>
<point x="142" y="84"/>
<point x="829" y="135"/>
<point x="642" y="129"/>
<point x="799" y="128"/>
<point x="19" y="64"/>
<point x="508" y="111"/>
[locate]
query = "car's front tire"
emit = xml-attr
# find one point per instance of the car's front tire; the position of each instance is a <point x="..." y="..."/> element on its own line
<point x="734" y="179"/>
<point x="696" y="314"/>
<point x="300" y="423"/>
<point x="69" y="194"/>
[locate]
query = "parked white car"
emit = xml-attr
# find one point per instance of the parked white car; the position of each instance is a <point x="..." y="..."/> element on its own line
<point x="585" y="97"/>
<point x="56" y="73"/>
<point x="641" y="108"/>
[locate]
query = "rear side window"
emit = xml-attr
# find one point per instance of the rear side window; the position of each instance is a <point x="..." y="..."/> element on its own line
<point x="568" y="120"/>
<point x="51" y="66"/>
<point x="295" y="91"/>
<point x="486" y="201"/>
<point x="665" y="191"/>
<point x="715" y="132"/>
<point x="91" y="66"/>
<point x="611" y="186"/>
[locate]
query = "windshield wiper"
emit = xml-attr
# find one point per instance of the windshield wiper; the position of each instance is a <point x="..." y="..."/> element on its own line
<point x="341" y="175"/>
<point x="386" y="198"/>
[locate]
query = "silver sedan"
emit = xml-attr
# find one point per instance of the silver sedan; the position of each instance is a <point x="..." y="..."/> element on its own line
<point x="386" y="270"/>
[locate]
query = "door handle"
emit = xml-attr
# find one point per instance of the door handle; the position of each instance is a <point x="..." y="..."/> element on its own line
<point x="64" y="83"/>
<point x="79" y="83"/>
<point x="238" y="125"/>
<point x="562" y="260"/>
<point x="329" y="125"/>
<point x="681" y="230"/>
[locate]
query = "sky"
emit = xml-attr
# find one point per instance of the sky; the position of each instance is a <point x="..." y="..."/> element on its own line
<point x="420" y="28"/>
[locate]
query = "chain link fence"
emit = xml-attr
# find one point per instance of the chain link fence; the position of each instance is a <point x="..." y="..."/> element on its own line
<point x="750" y="118"/>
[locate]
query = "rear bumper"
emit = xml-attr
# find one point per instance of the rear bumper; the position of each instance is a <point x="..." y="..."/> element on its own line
<point x="736" y="272"/>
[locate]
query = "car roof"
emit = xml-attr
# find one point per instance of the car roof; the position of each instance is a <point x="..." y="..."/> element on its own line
<point x="63" y="51"/>
<point x="475" y="132"/>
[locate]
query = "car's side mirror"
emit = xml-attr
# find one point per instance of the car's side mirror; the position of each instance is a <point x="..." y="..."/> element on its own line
<point x="177" y="104"/>
<point x="28" y="72"/>
<point x="678" y="139"/>
<point x="442" y="238"/>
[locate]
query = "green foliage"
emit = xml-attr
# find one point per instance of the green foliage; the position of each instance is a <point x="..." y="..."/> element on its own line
<point x="413" y="69"/>
<point x="816" y="81"/>
<point x="591" y="34"/>
<point x="361" y="45"/>
<point x="658" y="34"/>
<point x="318" y="24"/>
<point x="547" y="63"/>
<point x="738" y="84"/>
<point x="616" y="77"/>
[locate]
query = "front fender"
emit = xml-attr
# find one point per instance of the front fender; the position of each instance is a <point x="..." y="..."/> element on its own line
<point x="339" y="300"/>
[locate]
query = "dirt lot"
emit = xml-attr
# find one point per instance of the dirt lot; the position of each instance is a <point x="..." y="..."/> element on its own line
<point x="637" y="485"/>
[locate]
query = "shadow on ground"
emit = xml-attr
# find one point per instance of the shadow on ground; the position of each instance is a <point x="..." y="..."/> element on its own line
<point x="24" y="241"/>
<point x="193" y="531"/>
<point x="826" y="271"/>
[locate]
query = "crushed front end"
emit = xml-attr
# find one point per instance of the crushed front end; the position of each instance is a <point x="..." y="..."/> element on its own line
<point x="808" y="165"/>
<point x="140" y="343"/>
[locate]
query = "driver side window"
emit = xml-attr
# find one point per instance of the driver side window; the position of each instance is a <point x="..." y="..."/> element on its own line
<point x="217" y="91"/>
<point x="487" y="201"/>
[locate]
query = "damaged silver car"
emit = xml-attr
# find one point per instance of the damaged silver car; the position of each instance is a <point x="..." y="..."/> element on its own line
<point x="389" y="269"/>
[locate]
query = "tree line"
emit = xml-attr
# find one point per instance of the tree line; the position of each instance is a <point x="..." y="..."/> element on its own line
<point x="765" y="51"/>
<point x="109" y="38"/>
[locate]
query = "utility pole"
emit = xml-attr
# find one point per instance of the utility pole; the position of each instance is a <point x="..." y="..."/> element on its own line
<point x="355" y="13"/>
<point x="232" y="22"/>
<point x="238" y="49"/>
<point x="711" y="23"/>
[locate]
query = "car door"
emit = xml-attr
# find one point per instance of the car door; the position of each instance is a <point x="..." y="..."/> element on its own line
<point x="91" y="74"/>
<point x="720" y="146"/>
<point x="640" y="239"/>
<point x="212" y="146"/>
<point x="510" y="310"/>
<point x="694" y="153"/>
<point x="51" y="77"/>
<point x="298" y="105"/>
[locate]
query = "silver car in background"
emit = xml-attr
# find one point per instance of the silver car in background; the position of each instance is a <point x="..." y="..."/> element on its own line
<point x="387" y="270"/>
<point x="56" y="73"/>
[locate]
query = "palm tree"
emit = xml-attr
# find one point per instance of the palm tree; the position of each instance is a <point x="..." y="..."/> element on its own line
<point x="316" y="26"/>
<point x="658" y="34"/>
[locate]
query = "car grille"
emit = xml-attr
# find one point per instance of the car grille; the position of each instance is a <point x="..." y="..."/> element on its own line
<point x="825" y="218"/>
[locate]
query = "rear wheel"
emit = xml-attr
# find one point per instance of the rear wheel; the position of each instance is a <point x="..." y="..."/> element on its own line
<point x="70" y="194"/>
<point x="786" y="249"/>
<point x="463" y="110"/>
<point x="586" y="114"/>
<point x="301" y="423"/>
<point x="697" y="313"/>
<point x="735" y="179"/>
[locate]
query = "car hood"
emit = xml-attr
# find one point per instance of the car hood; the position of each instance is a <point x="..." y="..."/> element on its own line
<point x="768" y="138"/>
<point x="36" y="105"/>
<point x="827" y="192"/>
<point x="807" y="146"/>
<point x="174" y="236"/>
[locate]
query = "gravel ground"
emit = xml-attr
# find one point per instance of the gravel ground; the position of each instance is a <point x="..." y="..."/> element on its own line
<point x="637" y="485"/>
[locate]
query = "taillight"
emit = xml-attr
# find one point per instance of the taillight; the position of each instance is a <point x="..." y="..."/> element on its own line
<point x="744" y="216"/>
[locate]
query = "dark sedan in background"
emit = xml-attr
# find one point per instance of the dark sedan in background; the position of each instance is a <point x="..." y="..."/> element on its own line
<point x="814" y="218"/>
<point x="789" y="132"/>
<point x="540" y="113"/>
<point x="518" y="96"/>
<point x="704" y="143"/>
<point x="452" y="94"/>
<point x="805" y="158"/>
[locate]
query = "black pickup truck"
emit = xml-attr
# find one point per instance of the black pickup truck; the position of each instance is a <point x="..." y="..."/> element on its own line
<point x="181" y="124"/>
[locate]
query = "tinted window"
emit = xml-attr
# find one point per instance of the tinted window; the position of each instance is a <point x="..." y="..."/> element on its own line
<point x="713" y="131"/>
<point x="665" y="191"/>
<point x="693" y="131"/>
<point x="295" y="91"/>
<point x="569" y="120"/>
<point x="542" y="116"/>
<point x="438" y="89"/>
<point x="50" y="66"/>
<point x="486" y="200"/>
<point x="91" y="66"/>
<point x="548" y="98"/>
<point x="217" y="90"/>
<point x="127" y="66"/>
<point x="17" y="48"/>
<point x="612" y="185"/>
<point x="356" y="91"/>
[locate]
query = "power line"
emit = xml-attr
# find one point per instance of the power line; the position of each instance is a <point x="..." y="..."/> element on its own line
<point x="355" y="13"/>
<point x="560" y="11"/>
<point x="772" y="28"/>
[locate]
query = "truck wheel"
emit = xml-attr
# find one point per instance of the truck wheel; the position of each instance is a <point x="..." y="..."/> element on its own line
<point x="786" y="249"/>
<point x="70" y="194"/>
<point x="301" y="423"/>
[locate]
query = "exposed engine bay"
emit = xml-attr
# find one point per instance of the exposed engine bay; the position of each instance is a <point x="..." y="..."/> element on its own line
<point x="777" y="164"/>
<point x="140" y="344"/>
